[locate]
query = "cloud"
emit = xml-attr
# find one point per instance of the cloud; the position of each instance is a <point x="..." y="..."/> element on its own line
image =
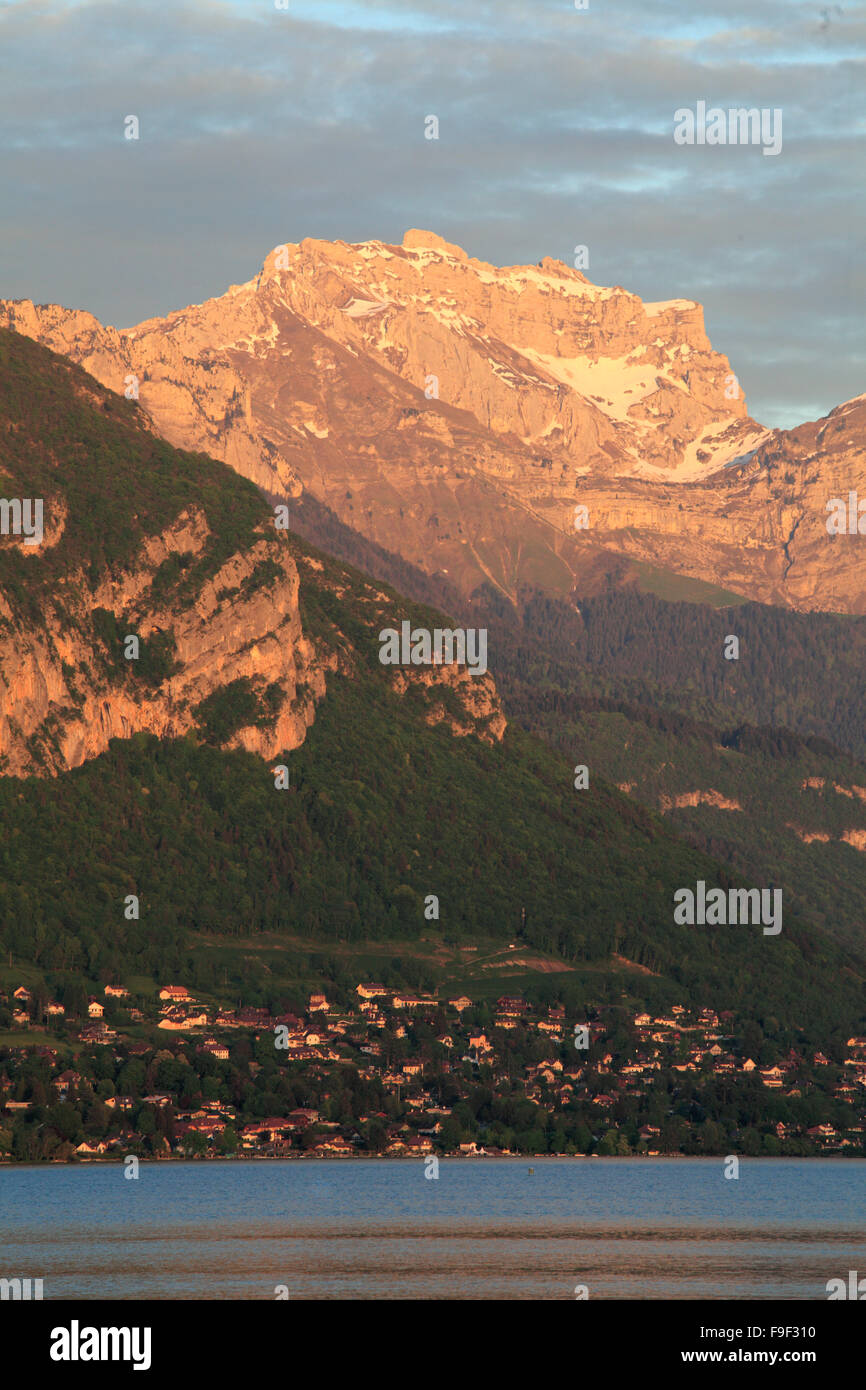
<point x="261" y="126"/>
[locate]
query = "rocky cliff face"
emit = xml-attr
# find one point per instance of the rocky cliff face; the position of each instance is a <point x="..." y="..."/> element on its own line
<point x="59" y="705"/>
<point x="760" y="526"/>
<point x="460" y="413"/>
<point x="177" y="629"/>
<point x="61" y="701"/>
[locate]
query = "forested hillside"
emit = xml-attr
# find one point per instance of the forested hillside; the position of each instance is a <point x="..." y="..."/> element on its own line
<point x="754" y="760"/>
<point x="402" y="791"/>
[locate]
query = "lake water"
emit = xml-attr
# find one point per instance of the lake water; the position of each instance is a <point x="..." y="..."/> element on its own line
<point x="347" y="1229"/>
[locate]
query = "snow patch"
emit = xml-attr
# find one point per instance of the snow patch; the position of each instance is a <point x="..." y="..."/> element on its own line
<point x="613" y="383"/>
<point x="363" y="308"/>
<point x="661" y="306"/>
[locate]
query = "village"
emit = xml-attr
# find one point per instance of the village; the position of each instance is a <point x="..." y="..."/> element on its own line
<point x="402" y="1074"/>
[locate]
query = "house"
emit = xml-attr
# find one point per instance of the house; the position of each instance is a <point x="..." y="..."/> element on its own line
<point x="120" y="1103"/>
<point x="822" y="1132"/>
<point x="335" y="1146"/>
<point x="23" y="994"/>
<point x="264" y="1132"/>
<point x="460" y="1003"/>
<point x="511" y="1007"/>
<point x="254" y="1018"/>
<point x="53" y="1009"/>
<point x="98" y="1032"/>
<point x="318" y="1004"/>
<point x="419" y="1144"/>
<point x="748" y="1065"/>
<point x="94" y="1008"/>
<point x="177" y="1020"/>
<point x="65" y="1081"/>
<point x="302" y="1117"/>
<point x="772" y="1076"/>
<point x="215" y="1049"/>
<point x="116" y="992"/>
<point x="207" y="1127"/>
<point x="413" y="1068"/>
<point x="371" y="991"/>
<point x="176" y="993"/>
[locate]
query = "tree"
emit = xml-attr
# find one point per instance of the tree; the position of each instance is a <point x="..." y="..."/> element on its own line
<point x="195" y="1143"/>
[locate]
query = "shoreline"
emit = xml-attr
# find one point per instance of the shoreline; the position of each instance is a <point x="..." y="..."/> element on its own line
<point x="528" y="1159"/>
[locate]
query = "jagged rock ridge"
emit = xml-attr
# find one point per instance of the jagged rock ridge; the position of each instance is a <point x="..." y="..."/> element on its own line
<point x="458" y="413"/>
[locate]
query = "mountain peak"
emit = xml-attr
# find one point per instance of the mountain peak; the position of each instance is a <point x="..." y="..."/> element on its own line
<point x="405" y="386"/>
<point x="416" y="240"/>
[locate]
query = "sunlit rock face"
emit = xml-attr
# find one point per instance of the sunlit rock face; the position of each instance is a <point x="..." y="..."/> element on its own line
<point x="461" y="414"/>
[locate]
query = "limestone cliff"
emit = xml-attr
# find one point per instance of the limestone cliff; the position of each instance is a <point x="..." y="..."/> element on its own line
<point x="63" y="694"/>
<point x="162" y="598"/>
<point x="459" y="413"/>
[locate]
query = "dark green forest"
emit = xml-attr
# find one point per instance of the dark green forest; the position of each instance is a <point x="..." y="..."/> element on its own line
<point x="382" y="809"/>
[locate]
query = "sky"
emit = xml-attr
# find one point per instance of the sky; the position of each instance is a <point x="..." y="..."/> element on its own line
<point x="261" y="125"/>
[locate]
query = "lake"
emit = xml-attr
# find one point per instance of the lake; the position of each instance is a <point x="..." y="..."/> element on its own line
<point x="485" y="1229"/>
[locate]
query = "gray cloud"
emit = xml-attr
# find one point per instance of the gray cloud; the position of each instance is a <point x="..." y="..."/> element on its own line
<point x="259" y="127"/>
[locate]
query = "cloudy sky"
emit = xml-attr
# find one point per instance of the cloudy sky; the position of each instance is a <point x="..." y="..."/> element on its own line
<point x="261" y="125"/>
